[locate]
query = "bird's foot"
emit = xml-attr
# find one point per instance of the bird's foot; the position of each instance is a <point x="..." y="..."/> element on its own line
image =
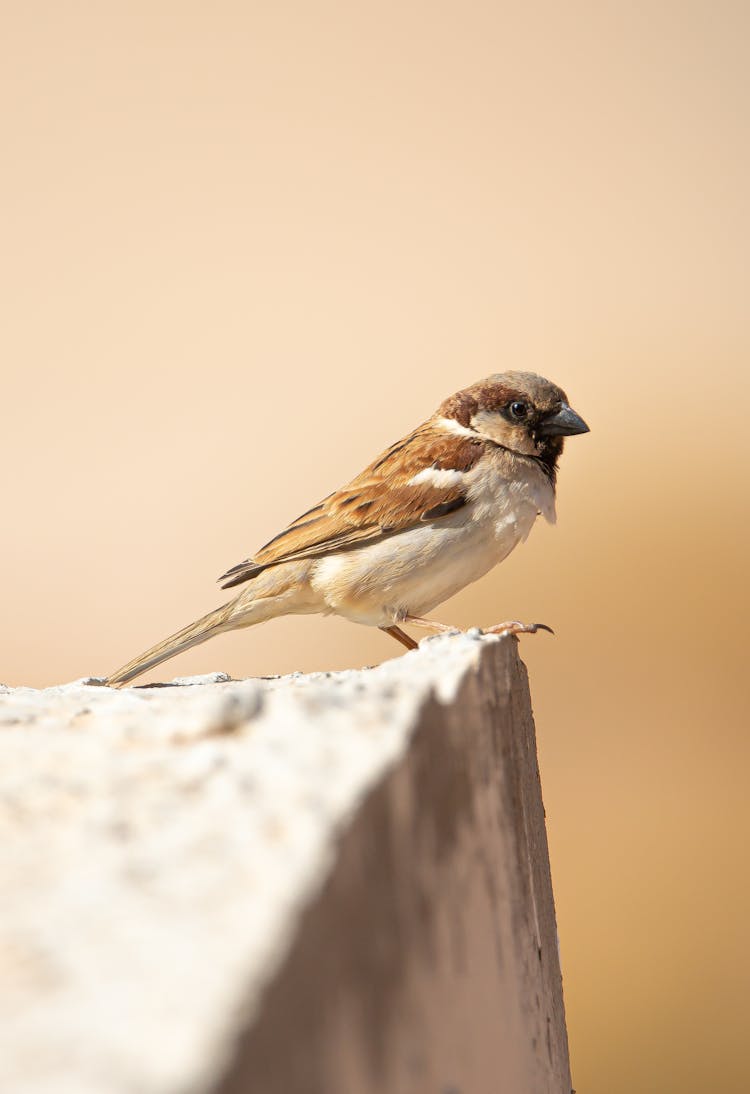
<point x="516" y="627"/>
<point x="513" y="627"/>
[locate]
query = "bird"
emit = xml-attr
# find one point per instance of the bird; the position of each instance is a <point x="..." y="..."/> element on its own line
<point x="431" y="514"/>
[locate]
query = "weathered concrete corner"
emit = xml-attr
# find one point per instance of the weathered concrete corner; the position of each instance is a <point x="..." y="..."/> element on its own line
<point x="326" y="884"/>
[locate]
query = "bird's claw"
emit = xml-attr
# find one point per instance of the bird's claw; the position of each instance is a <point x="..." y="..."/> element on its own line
<point x="516" y="627"/>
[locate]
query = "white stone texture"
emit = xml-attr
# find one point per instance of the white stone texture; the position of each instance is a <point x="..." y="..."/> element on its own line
<point x="160" y="848"/>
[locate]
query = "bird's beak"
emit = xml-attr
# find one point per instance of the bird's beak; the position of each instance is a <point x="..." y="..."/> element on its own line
<point x="563" y="423"/>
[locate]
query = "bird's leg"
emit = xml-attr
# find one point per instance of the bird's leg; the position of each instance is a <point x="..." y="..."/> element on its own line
<point x="514" y="627"/>
<point x="400" y="636"/>
<point x="430" y="624"/>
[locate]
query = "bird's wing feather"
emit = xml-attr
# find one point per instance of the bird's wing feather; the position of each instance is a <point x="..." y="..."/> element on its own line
<point x="381" y="501"/>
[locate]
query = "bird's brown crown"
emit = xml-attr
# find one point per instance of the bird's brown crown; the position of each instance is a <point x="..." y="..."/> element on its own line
<point x="499" y="391"/>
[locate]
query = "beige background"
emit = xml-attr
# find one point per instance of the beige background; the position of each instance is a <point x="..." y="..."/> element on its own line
<point x="245" y="246"/>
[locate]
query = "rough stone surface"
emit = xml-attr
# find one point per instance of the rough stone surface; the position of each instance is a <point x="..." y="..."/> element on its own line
<point x="326" y="884"/>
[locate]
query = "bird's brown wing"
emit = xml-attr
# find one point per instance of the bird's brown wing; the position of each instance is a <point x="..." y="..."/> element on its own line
<point x="381" y="501"/>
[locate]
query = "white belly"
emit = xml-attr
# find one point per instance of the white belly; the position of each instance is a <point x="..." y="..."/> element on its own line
<point x="410" y="573"/>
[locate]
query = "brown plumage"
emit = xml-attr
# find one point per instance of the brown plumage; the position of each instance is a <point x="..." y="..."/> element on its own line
<point x="363" y="511"/>
<point x="433" y="512"/>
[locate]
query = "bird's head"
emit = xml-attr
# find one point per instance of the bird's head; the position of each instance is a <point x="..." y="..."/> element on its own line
<point x="521" y="411"/>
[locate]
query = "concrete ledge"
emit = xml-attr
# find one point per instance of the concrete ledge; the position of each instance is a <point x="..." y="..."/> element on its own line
<point x="325" y="884"/>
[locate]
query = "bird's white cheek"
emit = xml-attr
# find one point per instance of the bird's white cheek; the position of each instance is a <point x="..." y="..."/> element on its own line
<point x="450" y="425"/>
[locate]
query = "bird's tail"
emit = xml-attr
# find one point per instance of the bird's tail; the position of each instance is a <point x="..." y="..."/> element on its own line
<point x="213" y="623"/>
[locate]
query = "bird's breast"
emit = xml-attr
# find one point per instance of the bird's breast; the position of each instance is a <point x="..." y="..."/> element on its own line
<point x="415" y="570"/>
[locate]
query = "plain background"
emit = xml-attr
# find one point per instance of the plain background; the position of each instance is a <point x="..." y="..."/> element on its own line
<point x="246" y="246"/>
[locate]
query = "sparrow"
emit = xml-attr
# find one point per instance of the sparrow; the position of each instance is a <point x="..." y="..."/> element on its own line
<point x="433" y="513"/>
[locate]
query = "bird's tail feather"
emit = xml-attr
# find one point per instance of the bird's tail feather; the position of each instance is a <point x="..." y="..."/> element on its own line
<point x="213" y="623"/>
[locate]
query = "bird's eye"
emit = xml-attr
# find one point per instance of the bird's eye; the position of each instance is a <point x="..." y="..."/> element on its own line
<point x="518" y="410"/>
